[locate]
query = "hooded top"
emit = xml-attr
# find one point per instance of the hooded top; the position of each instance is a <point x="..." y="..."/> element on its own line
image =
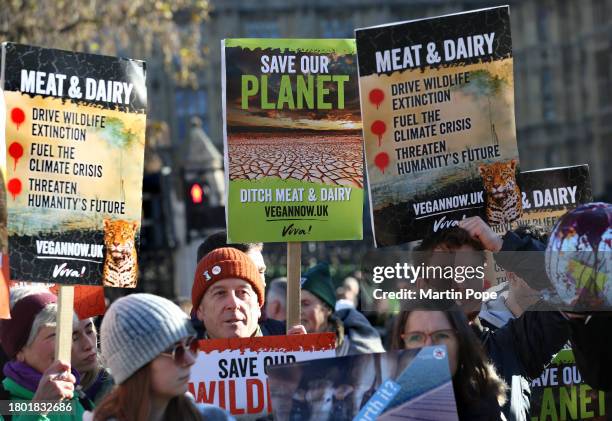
<point x="359" y="335"/>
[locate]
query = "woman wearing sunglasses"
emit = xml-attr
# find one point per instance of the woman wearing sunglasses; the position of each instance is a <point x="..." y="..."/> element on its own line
<point x="479" y="392"/>
<point x="148" y="344"/>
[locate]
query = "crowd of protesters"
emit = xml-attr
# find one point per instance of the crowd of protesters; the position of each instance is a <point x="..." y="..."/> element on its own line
<point x="138" y="366"/>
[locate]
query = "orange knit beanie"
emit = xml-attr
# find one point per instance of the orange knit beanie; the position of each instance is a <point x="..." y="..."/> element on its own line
<point x="223" y="263"/>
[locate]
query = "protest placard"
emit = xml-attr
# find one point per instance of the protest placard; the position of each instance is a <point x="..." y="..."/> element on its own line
<point x="546" y="195"/>
<point x="406" y="384"/>
<point x="437" y="100"/>
<point x="4" y="266"/>
<point x="561" y="394"/>
<point x="549" y="193"/>
<point x="74" y="139"/>
<point x="231" y="373"/>
<point x="293" y="146"/>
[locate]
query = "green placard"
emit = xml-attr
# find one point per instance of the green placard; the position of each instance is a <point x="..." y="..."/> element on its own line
<point x="293" y="145"/>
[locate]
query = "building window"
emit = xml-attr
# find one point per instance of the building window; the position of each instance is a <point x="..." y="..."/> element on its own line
<point x="189" y="103"/>
<point x="577" y="15"/>
<point x="569" y="90"/>
<point x="600" y="12"/>
<point x="542" y="22"/>
<point x="261" y="29"/>
<point x="577" y="150"/>
<point x="337" y="28"/>
<point x="562" y="7"/>
<point x="584" y="92"/>
<point x="567" y="63"/>
<point x="604" y="77"/>
<point x="552" y="156"/>
<point x="548" y="100"/>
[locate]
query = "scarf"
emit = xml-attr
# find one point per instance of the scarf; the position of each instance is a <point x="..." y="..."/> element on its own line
<point x="26" y="376"/>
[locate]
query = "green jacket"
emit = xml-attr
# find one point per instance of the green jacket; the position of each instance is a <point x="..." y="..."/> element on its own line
<point x="21" y="394"/>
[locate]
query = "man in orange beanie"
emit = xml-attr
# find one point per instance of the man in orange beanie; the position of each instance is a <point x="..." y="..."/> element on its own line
<point x="228" y="293"/>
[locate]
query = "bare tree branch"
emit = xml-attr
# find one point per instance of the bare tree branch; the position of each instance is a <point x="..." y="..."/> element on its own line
<point x="80" y="21"/>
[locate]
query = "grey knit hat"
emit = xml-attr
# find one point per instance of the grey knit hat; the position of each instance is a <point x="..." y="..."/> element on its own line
<point x="136" y="329"/>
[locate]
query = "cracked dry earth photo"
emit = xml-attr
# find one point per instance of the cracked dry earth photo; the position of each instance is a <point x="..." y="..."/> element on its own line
<point x="329" y="158"/>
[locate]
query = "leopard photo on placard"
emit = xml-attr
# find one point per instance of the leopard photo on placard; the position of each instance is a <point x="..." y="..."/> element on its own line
<point x="503" y="196"/>
<point x="120" y="261"/>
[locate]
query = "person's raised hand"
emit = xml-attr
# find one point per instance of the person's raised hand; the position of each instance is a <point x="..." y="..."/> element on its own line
<point x="478" y="229"/>
<point x="297" y="330"/>
<point x="57" y="383"/>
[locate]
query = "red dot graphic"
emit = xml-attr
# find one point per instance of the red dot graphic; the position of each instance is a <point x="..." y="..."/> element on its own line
<point x="376" y="97"/>
<point x="378" y="128"/>
<point x="14" y="187"/>
<point x="381" y="161"/>
<point x="17" y="116"/>
<point x="16" y="152"/>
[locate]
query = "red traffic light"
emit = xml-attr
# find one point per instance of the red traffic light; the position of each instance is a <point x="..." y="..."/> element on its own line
<point x="197" y="194"/>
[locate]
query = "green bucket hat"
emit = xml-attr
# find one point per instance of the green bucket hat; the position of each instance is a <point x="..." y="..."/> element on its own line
<point x="317" y="280"/>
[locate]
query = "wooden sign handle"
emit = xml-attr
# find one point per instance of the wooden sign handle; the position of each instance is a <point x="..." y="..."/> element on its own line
<point x="294" y="269"/>
<point x="63" y="328"/>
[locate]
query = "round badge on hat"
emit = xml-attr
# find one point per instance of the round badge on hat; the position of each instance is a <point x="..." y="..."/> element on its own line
<point x="216" y="270"/>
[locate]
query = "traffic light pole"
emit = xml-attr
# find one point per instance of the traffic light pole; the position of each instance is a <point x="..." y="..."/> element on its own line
<point x="203" y="209"/>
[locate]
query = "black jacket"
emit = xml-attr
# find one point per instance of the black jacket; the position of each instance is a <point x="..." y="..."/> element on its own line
<point x="592" y="343"/>
<point x="523" y="348"/>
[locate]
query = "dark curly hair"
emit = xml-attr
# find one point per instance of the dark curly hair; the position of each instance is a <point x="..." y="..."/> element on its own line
<point x="451" y="238"/>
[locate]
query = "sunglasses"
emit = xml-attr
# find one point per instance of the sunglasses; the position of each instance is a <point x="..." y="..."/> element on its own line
<point x="179" y="350"/>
